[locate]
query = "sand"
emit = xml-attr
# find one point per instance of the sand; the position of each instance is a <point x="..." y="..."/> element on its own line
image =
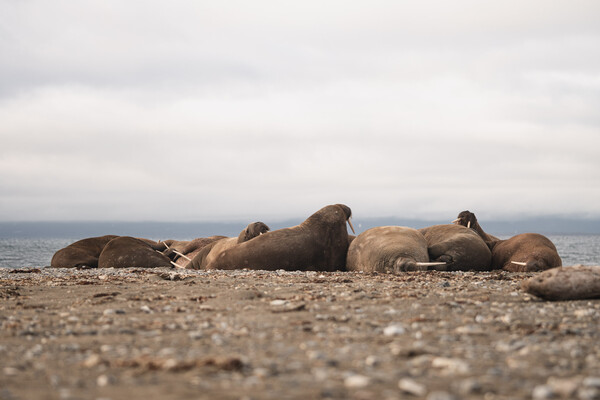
<point x="181" y="334"/>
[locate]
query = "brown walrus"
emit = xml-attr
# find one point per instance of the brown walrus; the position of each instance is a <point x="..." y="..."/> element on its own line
<point x="319" y="243"/>
<point x="526" y="252"/>
<point x="214" y="249"/>
<point x="127" y="251"/>
<point x="388" y="249"/>
<point x="565" y="283"/>
<point x="468" y="219"/>
<point x="460" y="247"/>
<point x="183" y="251"/>
<point x="82" y="253"/>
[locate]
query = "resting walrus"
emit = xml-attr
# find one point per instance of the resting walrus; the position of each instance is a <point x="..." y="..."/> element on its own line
<point x="388" y="249"/>
<point x="458" y="246"/>
<point x="213" y="250"/>
<point x="565" y="283"/>
<point x="82" y="253"/>
<point x="526" y="252"/>
<point x="319" y="243"/>
<point x="126" y="251"/>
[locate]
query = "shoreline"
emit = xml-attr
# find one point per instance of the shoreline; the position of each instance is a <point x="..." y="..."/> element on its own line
<point x="179" y="334"/>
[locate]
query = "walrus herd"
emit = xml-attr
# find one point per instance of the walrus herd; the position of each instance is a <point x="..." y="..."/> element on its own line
<point x="322" y="243"/>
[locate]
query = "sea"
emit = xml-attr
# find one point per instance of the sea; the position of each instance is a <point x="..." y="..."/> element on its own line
<point x="29" y="252"/>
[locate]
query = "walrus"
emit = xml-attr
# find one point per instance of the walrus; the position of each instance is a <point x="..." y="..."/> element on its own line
<point x="388" y="249"/>
<point x="565" y="283"/>
<point x="526" y="252"/>
<point x="127" y="251"/>
<point x="183" y="251"/>
<point x="468" y="219"/>
<point x="319" y="243"/>
<point x="460" y="247"/>
<point x="82" y="253"/>
<point x="210" y="252"/>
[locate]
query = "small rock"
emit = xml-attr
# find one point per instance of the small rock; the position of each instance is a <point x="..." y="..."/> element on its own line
<point x="357" y="381"/>
<point x="591" y="381"/>
<point x="104" y="380"/>
<point x="278" y="303"/>
<point x="371" y="361"/>
<point x="195" y="335"/>
<point x="439" y="395"/>
<point x="541" y="392"/>
<point x="10" y="371"/>
<point x="146" y="309"/>
<point x="410" y="386"/>
<point x="92" y="361"/>
<point x="394" y="329"/>
<point x="565" y="387"/>
<point x="450" y="365"/>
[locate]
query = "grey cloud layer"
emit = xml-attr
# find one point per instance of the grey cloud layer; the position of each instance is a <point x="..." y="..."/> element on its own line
<point x="115" y="110"/>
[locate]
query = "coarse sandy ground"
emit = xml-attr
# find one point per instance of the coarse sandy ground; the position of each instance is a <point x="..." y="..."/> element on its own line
<point x="181" y="334"/>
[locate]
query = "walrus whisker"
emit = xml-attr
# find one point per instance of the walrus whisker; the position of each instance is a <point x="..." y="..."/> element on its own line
<point x="350" y="223"/>
<point x="425" y="264"/>
<point x="177" y="265"/>
<point x="518" y="263"/>
<point x="182" y="255"/>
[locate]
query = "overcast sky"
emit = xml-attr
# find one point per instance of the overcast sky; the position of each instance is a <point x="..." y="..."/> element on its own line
<point x="266" y="110"/>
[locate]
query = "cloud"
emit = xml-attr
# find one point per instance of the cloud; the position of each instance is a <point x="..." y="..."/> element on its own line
<point x="139" y="111"/>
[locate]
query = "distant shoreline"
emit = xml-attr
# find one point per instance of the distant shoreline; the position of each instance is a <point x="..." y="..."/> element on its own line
<point x="180" y="230"/>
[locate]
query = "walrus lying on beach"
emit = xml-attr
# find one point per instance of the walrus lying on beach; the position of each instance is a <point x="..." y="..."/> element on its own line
<point x="213" y="250"/>
<point x="388" y="249"/>
<point x="319" y="243"/>
<point x="565" y="283"/>
<point x="127" y="251"/>
<point x="526" y="252"/>
<point x="460" y="247"/>
<point x="83" y="253"/>
<point x="181" y="252"/>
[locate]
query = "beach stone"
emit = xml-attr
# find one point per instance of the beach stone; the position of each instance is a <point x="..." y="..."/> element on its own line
<point x="357" y="381"/>
<point x="541" y="392"/>
<point x="452" y="366"/>
<point x="440" y="395"/>
<point x="410" y="386"/>
<point x="394" y="329"/>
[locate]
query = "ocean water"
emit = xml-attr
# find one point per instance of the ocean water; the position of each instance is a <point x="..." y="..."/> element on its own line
<point x="19" y="252"/>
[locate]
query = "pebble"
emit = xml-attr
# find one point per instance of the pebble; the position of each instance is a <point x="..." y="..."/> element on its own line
<point x="410" y="386"/>
<point x="440" y="395"/>
<point x="357" y="381"/>
<point x="450" y="365"/>
<point x="541" y="392"/>
<point x="394" y="329"/>
<point x="146" y="309"/>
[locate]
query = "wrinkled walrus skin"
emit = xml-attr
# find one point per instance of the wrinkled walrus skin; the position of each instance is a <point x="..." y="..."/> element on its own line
<point x="213" y="250"/>
<point x="461" y="248"/>
<point x="82" y="253"/>
<point x="387" y="249"/>
<point x="127" y="252"/>
<point x="319" y="243"/>
<point x="565" y="283"/>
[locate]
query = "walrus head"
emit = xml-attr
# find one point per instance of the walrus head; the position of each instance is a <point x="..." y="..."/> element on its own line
<point x="466" y="218"/>
<point x="348" y="213"/>
<point x="253" y="230"/>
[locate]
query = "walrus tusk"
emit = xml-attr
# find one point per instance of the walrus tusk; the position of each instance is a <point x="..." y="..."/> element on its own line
<point x="167" y="246"/>
<point x="426" y="264"/>
<point x="518" y="263"/>
<point x="456" y="221"/>
<point x="469" y="224"/>
<point x="182" y="255"/>
<point x="177" y="265"/>
<point x="350" y="223"/>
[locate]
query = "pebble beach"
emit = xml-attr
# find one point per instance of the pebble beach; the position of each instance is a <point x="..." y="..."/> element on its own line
<point x="184" y="334"/>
